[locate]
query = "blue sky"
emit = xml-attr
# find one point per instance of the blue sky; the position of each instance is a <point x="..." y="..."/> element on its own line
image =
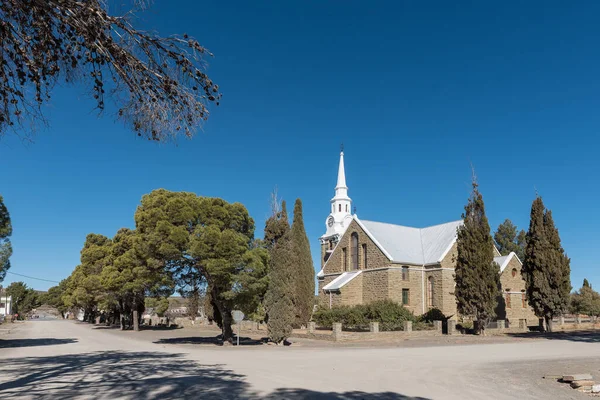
<point x="416" y="91"/>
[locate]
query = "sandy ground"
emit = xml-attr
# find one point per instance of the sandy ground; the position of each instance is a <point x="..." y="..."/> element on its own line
<point x="63" y="359"/>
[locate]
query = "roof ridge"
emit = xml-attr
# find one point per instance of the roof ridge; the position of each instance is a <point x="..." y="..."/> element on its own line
<point x="413" y="227"/>
<point x="387" y="223"/>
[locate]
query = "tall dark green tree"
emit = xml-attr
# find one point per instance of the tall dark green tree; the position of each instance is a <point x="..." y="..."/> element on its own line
<point x="279" y="300"/>
<point x="546" y="267"/>
<point x="5" y="246"/>
<point x="477" y="278"/>
<point x="509" y="240"/>
<point x="304" y="271"/>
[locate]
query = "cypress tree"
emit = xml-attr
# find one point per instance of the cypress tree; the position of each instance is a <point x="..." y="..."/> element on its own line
<point x="586" y="284"/>
<point x="304" y="270"/>
<point x="477" y="278"/>
<point x="279" y="298"/>
<point x="546" y="268"/>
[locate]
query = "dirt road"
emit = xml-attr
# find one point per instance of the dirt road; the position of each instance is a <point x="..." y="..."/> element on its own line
<point x="63" y="359"/>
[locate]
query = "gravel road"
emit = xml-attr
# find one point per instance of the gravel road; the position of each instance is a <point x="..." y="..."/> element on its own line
<point x="63" y="359"/>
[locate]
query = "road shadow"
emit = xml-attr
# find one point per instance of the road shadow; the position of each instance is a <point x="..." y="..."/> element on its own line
<point x="210" y="340"/>
<point x="6" y="343"/>
<point x="142" y="375"/>
<point x="296" y="394"/>
<point x="142" y="327"/>
<point x="116" y="374"/>
<point x="573" y="336"/>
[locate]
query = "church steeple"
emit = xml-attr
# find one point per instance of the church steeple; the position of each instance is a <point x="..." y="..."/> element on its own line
<point x="341" y="205"/>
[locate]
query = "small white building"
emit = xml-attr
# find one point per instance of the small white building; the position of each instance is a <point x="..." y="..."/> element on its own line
<point x="5" y="305"/>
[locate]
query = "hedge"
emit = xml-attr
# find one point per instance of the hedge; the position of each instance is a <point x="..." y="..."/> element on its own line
<point x="390" y="315"/>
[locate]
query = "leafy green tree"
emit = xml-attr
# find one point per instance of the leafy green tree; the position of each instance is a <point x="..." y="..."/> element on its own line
<point x="158" y="83"/>
<point x="546" y="268"/>
<point x="279" y="300"/>
<point x="54" y="297"/>
<point x="304" y="270"/>
<point x="160" y="305"/>
<point x="5" y="246"/>
<point x="24" y="299"/>
<point x="477" y="278"/>
<point x="129" y="276"/>
<point x="208" y="234"/>
<point x="85" y="288"/>
<point x="586" y="301"/>
<point x="508" y="240"/>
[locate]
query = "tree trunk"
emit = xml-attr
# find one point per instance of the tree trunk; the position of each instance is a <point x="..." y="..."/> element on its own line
<point x="122" y="321"/>
<point x="226" y="319"/>
<point x="548" y="324"/>
<point x="136" y="321"/>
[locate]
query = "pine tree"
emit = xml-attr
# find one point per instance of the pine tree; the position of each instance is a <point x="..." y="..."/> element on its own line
<point x="279" y="302"/>
<point x="507" y="240"/>
<point x="304" y="269"/>
<point x="477" y="278"/>
<point x="546" y="268"/>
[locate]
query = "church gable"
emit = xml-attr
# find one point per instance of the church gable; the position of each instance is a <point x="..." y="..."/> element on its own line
<point x="355" y="251"/>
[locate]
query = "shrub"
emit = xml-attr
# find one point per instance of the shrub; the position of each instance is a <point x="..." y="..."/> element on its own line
<point x="390" y="316"/>
<point x="434" y="314"/>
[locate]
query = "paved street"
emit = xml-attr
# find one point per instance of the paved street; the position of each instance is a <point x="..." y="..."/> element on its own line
<point x="63" y="359"/>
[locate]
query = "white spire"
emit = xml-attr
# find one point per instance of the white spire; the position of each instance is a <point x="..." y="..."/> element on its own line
<point x="341" y="190"/>
<point x="340" y="212"/>
<point x="341" y="182"/>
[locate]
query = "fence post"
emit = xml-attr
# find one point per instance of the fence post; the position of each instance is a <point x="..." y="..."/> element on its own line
<point x="451" y="327"/>
<point x="577" y="319"/>
<point x="374" y="327"/>
<point x="561" y="320"/>
<point x="311" y="327"/>
<point x="437" y="325"/>
<point x="407" y="325"/>
<point x="337" y="331"/>
<point x="501" y="324"/>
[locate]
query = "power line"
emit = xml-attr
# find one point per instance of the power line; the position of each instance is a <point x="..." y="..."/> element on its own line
<point x="31" y="277"/>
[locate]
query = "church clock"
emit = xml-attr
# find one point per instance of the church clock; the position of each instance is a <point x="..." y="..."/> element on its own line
<point x="330" y="221"/>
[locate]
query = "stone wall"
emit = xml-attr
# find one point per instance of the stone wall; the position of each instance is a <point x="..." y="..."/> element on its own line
<point x="375" y="285"/>
<point x="352" y="292"/>
<point x="413" y="284"/>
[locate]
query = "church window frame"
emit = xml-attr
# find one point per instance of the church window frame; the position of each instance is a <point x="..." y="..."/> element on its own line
<point x="405" y="273"/>
<point x="507" y="300"/>
<point x="354" y="251"/>
<point x="406" y="297"/>
<point x="430" y="292"/>
<point x="339" y="207"/>
<point x="364" y="255"/>
<point x="523" y="300"/>
<point x="345" y="258"/>
<point x="514" y="272"/>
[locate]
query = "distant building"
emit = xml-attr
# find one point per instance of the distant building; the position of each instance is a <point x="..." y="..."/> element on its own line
<point x="5" y="304"/>
<point x="364" y="261"/>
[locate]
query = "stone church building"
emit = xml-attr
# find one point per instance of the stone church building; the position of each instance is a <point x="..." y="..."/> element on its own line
<point x="364" y="261"/>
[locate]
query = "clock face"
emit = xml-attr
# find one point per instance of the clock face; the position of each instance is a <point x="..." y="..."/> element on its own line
<point x="330" y="221"/>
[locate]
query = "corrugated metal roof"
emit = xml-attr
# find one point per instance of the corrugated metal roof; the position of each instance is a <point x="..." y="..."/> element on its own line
<point x="504" y="260"/>
<point x="414" y="245"/>
<point x="341" y="280"/>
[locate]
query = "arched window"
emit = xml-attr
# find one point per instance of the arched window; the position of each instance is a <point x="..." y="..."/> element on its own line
<point x="346" y="207"/>
<point x="354" y="246"/>
<point x="514" y="272"/>
<point x="333" y="208"/>
<point x="430" y="292"/>
<point x="339" y="207"/>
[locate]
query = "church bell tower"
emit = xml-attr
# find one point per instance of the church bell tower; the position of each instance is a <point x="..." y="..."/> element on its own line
<point x="340" y="214"/>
